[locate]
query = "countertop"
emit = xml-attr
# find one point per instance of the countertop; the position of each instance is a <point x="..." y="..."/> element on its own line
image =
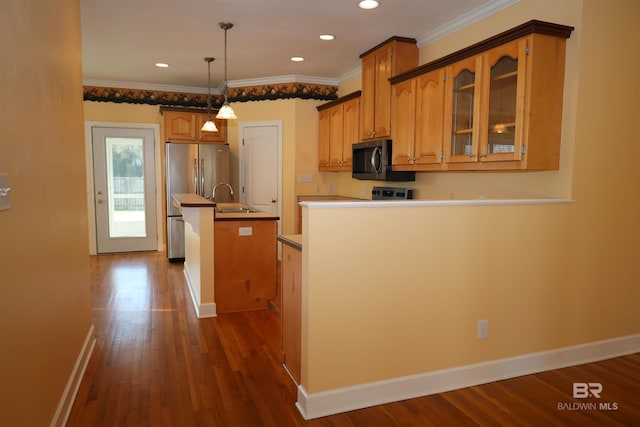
<point x="293" y="240"/>
<point x="241" y="216"/>
<point x="190" y="200"/>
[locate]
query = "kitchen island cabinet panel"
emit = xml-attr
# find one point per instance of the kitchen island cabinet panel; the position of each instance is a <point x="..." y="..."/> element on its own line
<point x="245" y="253"/>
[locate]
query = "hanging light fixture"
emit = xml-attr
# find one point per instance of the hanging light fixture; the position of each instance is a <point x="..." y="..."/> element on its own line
<point x="209" y="125"/>
<point x="226" y="112"/>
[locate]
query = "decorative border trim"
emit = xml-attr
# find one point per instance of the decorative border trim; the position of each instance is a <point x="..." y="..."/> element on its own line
<point x="362" y="396"/>
<point x="73" y="384"/>
<point x="235" y="94"/>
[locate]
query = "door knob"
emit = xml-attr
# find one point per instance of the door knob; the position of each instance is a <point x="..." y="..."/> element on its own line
<point x="99" y="201"/>
<point x="99" y="192"/>
<point x="273" y="200"/>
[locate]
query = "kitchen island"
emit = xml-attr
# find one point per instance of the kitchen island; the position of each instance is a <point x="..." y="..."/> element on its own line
<point x="230" y="255"/>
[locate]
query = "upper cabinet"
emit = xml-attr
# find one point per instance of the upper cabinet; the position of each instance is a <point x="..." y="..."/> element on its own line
<point x="501" y="105"/>
<point x="338" y="130"/>
<point x="184" y="125"/>
<point x="462" y="110"/>
<point x="394" y="56"/>
<point x="418" y="131"/>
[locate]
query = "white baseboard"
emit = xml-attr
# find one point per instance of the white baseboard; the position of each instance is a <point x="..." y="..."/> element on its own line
<point x="362" y="396"/>
<point x="202" y="310"/>
<point x="71" y="390"/>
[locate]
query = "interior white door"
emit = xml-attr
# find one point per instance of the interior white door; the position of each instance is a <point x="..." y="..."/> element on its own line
<point x="260" y="160"/>
<point x="124" y="187"/>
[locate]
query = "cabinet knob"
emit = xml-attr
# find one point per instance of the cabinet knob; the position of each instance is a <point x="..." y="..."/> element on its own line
<point x="99" y="201"/>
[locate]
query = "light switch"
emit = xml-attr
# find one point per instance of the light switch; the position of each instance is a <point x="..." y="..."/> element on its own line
<point x="305" y="177"/>
<point x="4" y="192"/>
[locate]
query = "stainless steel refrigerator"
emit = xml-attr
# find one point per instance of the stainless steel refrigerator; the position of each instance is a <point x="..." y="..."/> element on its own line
<point x="192" y="168"/>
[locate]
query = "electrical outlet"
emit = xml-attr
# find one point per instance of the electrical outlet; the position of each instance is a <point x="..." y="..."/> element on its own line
<point x="483" y="329"/>
<point x="245" y="231"/>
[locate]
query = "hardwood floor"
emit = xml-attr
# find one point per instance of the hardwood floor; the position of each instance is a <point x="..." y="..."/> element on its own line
<point x="155" y="364"/>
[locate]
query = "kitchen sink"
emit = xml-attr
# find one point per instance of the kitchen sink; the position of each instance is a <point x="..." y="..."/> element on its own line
<point x="234" y="208"/>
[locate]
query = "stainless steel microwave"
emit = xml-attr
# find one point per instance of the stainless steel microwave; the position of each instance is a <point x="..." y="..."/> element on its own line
<point x="372" y="160"/>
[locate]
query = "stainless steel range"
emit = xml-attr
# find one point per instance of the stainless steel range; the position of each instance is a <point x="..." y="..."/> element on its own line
<point x="391" y="193"/>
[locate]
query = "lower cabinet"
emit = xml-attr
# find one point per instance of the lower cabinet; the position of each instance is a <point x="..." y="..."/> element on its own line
<point x="245" y="256"/>
<point x="291" y="309"/>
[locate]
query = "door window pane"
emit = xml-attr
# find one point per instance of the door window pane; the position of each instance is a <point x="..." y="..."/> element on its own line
<point x="125" y="175"/>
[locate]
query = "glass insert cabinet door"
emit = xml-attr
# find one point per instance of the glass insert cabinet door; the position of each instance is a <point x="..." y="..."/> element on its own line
<point x="501" y="138"/>
<point x="462" y="114"/>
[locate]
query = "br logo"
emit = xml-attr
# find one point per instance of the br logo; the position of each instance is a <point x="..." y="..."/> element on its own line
<point x="584" y="390"/>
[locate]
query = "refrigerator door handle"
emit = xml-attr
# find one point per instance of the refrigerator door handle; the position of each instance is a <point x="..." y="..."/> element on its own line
<point x="202" y="178"/>
<point x="196" y="188"/>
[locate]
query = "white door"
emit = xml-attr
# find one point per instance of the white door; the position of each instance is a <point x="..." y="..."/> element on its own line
<point x="260" y="165"/>
<point x="124" y="189"/>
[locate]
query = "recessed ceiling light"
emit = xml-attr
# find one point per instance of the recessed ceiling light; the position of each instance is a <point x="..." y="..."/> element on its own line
<point x="297" y="58"/>
<point x="162" y="65"/>
<point x="368" y="4"/>
<point x="327" y="37"/>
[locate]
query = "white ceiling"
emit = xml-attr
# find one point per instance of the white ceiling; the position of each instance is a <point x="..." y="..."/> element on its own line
<point x="123" y="39"/>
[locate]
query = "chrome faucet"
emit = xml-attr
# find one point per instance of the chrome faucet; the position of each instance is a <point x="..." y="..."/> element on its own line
<point x="213" y="196"/>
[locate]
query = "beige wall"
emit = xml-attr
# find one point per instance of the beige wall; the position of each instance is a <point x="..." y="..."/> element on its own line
<point x="45" y="304"/>
<point x="545" y="276"/>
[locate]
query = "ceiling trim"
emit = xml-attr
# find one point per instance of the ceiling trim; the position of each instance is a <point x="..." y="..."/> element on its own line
<point x="464" y="20"/>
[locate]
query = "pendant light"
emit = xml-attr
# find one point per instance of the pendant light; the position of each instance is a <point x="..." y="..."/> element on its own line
<point x="226" y="112"/>
<point x="209" y="125"/>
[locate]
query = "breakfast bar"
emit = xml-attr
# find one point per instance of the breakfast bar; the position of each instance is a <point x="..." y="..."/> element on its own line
<point x="230" y="255"/>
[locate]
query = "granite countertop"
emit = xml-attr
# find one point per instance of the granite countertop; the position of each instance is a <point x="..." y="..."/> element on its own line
<point x="293" y="240"/>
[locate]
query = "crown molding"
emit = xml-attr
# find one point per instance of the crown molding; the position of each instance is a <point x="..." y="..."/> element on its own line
<point x="292" y="78"/>
<point x="464" y="20"/>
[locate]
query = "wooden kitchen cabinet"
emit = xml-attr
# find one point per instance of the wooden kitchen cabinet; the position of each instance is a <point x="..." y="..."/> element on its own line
<point x="504" y="106"/>
<point x="184" y="125"/>
<point x="394" y="56"/>
<point x="462" y="110"/>
<point x="245" y="256"/>
<point x="338" y="131"/>
<point x="417" y="122"/>
<point x="292" y="309"/>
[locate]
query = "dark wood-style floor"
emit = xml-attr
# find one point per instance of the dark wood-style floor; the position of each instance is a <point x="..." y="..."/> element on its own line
<point x="155" y="364"/>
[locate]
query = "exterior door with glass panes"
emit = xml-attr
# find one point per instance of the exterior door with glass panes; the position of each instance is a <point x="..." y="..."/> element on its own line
<point x="462" y="111"/>
<point x="124" y="189"/>
<point x="503" y="105"/>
